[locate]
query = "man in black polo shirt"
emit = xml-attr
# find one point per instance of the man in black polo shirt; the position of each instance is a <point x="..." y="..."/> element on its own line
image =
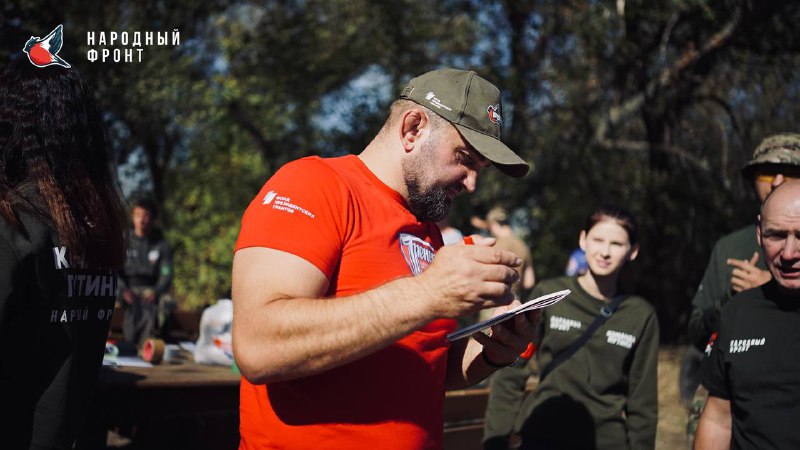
<point x="753" y="372"/>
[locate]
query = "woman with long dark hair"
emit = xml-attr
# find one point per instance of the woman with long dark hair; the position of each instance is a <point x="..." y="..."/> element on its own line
<point x="62" y="228"/>
<point x="597" y="352"/>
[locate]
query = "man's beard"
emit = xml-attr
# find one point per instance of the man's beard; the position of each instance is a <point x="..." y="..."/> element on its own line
<point x="431" y="204"/>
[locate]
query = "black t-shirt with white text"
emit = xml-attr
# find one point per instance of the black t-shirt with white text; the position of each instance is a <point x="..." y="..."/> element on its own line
<point x="754" y="363"/>
<point x="54" y="320"/>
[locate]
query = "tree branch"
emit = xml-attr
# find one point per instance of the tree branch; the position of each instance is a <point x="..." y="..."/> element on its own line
<point x="725" y="107"/>
<point x="673" y="20"/>
<point x="667" y="77"/>
<point x="643" y="146"/>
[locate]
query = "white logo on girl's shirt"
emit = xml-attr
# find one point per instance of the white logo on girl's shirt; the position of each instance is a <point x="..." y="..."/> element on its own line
<point x="563" y="324"/>
<point x="619" y="338"/>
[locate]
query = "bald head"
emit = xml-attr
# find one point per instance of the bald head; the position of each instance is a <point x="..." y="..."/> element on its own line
<point x="779" y="235"/>
<point x="782" y="199"/>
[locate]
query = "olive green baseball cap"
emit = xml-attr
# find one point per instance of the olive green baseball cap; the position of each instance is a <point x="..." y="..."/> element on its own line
<point x="779" y="150"/>
<point x="472" y="105"/>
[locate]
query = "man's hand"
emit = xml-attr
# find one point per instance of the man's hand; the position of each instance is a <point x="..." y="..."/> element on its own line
<point x="466" y="278"/>
<point x="128" y="296"/>
<point x="746" y="275"/>
<point x="471" y="360"/>
<point x="508" y="340"/>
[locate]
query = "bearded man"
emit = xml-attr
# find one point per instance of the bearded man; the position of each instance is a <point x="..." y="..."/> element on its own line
<point x="341" y="310"/>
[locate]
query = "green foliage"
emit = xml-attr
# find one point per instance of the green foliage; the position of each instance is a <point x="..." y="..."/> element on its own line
<point x="208" y="195"/>
<point x="653" y="105"/>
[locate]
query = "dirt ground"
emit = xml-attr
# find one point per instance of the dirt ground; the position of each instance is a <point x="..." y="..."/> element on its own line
<point x="671" y="433"/>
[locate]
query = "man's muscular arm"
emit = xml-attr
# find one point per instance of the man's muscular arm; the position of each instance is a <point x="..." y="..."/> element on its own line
<point x="284" y="328"/>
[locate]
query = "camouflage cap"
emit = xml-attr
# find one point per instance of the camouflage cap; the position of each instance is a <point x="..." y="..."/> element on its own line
<point x="780" y="149"/>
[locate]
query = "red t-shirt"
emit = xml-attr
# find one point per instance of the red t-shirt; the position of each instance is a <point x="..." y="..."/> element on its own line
<point x="339" y="216"/>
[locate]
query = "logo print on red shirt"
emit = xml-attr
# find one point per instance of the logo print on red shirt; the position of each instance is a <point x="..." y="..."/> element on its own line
<point x="418" y="253"/>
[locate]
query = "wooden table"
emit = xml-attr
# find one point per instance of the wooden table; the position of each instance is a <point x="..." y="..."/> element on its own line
<point x="169" y="406"/>
<point x="187" y="375"/>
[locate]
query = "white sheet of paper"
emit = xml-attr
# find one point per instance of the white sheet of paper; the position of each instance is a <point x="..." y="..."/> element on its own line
<point x="537" y="303"/>
<point x="127" y="361"/>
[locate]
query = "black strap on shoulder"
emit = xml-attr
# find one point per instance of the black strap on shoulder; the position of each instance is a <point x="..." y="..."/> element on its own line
<point x="605" y="313"/>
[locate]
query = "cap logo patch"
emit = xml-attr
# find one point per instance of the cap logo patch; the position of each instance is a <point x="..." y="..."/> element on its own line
<point x="494" y="114"/>
<point x="435" y="101"/>
<point x="417" y="253"/>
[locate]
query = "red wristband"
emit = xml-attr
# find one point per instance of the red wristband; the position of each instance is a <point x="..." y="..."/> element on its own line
<point x="528" y="353"/>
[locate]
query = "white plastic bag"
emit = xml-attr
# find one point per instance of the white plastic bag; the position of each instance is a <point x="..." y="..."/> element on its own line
<point x="214" y="343"/>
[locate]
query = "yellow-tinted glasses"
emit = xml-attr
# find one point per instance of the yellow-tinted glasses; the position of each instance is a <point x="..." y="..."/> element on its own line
<point x="768" y="176"/>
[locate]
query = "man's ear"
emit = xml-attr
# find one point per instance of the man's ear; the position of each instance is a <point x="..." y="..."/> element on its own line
<point x="758" y="231"/>
<point x="413" y="124"/>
